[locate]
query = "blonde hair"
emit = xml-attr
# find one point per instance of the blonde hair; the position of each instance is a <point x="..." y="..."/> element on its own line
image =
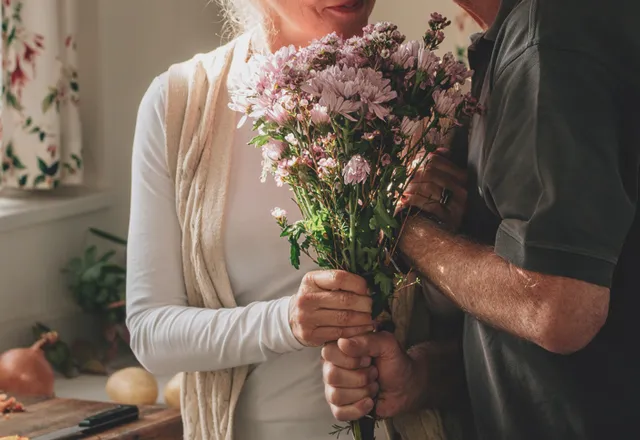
<point x="242" y="15"/>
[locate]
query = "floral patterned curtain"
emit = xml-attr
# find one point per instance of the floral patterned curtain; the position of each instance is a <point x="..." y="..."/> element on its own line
<point x="41" y="137"/>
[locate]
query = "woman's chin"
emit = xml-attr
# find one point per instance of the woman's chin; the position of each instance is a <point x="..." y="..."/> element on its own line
<point x="348" y="22"/>
<point x="346" y="30"/>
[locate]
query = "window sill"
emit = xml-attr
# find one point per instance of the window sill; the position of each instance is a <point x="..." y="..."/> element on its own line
<point x="23" y="209"/>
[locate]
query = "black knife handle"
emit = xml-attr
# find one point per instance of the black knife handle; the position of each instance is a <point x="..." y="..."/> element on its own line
<point x="112" y="417"/>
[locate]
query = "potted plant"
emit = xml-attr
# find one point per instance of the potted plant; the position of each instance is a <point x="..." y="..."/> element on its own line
<point x="97" y="283"/>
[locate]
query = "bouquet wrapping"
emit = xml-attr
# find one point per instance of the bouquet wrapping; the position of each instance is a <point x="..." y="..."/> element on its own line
<point x="345" y="124"/>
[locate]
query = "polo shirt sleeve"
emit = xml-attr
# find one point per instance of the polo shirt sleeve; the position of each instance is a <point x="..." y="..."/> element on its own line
<point x="555" y="166"/>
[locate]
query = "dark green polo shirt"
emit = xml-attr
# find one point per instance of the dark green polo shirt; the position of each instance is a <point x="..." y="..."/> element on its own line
<point x="554" y="167"/>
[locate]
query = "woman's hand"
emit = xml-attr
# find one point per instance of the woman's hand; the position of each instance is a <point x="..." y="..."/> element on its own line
<point x="438" y="188"/>
<point x="330" y="305"/>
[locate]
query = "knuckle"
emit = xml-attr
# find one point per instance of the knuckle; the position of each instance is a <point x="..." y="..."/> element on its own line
<point x="302" y="316"/>
<point x="332" y="395"/>
<point x="328" y="353"/>
<point x="362" y="378"/>
<point x="303" y="300"/>
<point x="344" y="299"/>
<point x="343" y="317"/>
<point x="339" y="414"/>
<point x="339" y="276"/>
<point x="353" y="363"/>
<point x="331" y="375"/>
<point x="306" y="334"/>
<point x="429" y="166"/>
<point x="307" y="279"/>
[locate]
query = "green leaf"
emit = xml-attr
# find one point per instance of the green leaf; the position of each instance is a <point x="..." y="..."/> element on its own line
<point x="92" y="274"/>
<point x="39" y="179"/>
<point x="108" y="236"/>
<point x="49" y="100"/>
<point x="22" y="181"/>
<point x="12" y="101"/>
<point x="17" y="163"/>
<point x="111" y="280"/>
<point x="103" y="296"/>
<point x="382" y="219"/>
<point x="385" y="283"/>
<point x="367" y="257"/>
<point x="11" y="36"/>
<point x="90" y="255"/>
<point x="106" y="257"/>
<point x="77" y="160"/>
<point x="9" y="150"/>
<point x="295" y="253"/>
<point x="260" y="140"/>
<point x="74" y="86"/>
<point x="42" y="136"/>
<point x="28" y="121"/>
<point x="42" y="165"/>
<point x="115" y="269"/>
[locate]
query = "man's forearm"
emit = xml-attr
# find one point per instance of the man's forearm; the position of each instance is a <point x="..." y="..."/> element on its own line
<point x="523" y="303"/>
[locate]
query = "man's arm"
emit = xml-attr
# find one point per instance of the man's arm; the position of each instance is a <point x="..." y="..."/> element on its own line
<point x="552" y="172"/>
<point x="559" y="314"/>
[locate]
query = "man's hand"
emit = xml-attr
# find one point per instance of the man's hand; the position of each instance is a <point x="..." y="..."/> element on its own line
<point x="352" y="382"/>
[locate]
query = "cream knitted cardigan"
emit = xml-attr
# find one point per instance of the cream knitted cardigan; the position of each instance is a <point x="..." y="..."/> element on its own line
<point x="200" y="130"/>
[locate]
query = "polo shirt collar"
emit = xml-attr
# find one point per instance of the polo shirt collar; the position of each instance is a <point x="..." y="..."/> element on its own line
<point x="506" y="6"/>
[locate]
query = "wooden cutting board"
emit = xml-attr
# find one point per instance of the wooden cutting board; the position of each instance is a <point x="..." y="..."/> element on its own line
<point x="46" y="415"/>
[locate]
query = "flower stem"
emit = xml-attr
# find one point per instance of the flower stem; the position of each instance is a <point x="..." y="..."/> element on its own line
<point x="357" y="433"/>
<point x="352" y="232"/>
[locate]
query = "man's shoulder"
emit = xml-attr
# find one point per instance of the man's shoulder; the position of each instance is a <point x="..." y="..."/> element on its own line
<point x="581" y="25"/>
<point x="607" y="33"/>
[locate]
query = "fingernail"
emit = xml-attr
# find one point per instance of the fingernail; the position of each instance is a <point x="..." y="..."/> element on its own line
<point x="365" y="362"/>
<point x="368" y="405"/>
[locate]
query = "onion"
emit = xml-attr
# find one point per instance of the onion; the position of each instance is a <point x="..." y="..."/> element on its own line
<point x="132" y="386"/>
<point x="26" y="371"/>
<point x="172" y="391"/>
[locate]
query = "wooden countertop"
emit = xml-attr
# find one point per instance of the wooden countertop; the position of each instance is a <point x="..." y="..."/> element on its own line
<point x="46" y="415"/>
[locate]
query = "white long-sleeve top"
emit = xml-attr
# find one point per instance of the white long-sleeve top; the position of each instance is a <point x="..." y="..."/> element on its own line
<point x="283" y="397"/>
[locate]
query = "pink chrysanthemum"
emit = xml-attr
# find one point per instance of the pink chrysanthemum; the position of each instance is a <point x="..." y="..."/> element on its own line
<point x="356" y="171"/>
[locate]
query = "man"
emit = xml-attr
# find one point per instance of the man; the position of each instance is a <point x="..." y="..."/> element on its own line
<point x="548" y="269"/>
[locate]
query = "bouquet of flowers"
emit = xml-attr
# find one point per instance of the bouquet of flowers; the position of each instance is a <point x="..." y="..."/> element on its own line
<point x="346" y="123"/>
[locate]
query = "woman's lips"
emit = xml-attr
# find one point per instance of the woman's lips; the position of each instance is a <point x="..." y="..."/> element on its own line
<point x="348" y="7"/>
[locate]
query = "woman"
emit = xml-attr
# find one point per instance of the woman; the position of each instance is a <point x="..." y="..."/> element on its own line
<point x="210" y="290"/>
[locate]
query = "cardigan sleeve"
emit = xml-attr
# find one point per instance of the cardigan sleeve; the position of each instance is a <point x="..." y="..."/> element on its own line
<point x="167" y="335"/>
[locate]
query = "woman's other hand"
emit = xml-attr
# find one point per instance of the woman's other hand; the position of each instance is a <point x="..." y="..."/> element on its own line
<point x="330" y="305"/>
<point x="438" y="188"/>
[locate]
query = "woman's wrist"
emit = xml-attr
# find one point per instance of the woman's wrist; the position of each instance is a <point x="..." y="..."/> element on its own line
<point x="285" y="324"/>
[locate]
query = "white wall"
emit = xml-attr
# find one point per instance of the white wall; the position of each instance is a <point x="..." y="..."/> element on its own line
<point x="412" y="17"/>
<point x="136" y="40"/>
<point x="123" y="45"/>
